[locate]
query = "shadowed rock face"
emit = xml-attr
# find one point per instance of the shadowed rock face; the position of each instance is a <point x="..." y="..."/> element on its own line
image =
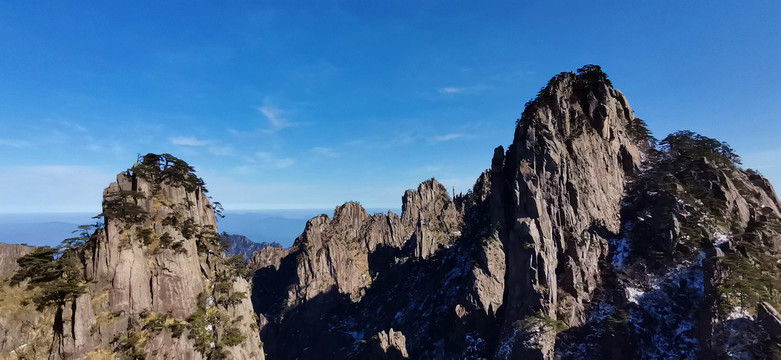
<point x="335" y="253"/>
<point x="559" y="187"/>
<point x="578" y="230"/>
<point x="581" y="241"/>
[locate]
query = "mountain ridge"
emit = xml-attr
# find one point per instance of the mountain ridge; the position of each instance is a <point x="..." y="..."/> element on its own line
<point x="586" y="238"/>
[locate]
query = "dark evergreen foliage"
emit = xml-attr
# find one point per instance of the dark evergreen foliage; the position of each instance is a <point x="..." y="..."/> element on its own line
<point x="166" y="168"/>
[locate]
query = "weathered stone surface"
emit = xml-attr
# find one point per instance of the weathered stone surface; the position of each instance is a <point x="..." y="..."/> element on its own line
<point x="269" y="256"/>
<point x="769" y="318"/>
<point x="334" y="254"/>
<point x="560" y="187"/>
<point x="156" y="261"/>
<point x="390" y="345"/>
<point x="8" y="255"/>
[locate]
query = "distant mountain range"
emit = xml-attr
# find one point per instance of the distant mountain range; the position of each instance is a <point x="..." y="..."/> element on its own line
<point x="271" y="226"/>
<point x="241" y="245"/>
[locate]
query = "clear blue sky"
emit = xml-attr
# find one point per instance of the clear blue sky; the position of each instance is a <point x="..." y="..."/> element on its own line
<point x="307" y="104"/>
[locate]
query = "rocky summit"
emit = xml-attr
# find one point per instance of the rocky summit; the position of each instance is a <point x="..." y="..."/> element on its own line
<point x="586" y="238"/>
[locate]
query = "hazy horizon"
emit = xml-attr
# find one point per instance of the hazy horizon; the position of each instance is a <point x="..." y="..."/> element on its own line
<point x="310" y="104"/>
<point x="281" y="226"/>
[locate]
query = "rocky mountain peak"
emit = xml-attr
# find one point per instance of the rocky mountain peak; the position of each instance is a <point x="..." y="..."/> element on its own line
<point x="585" y="239"/>
<point x="154" y="281"/>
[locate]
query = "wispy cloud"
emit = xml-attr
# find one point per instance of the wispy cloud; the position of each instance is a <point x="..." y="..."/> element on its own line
<point x="325" y="151"/>
<point x="450" y="90"/>
<point x="275" y="117"/>
<point x="188" y="141"/>
<point x="447" y="137"/>
<point x="15" y="143"/>
<point x="269" y="159"/>
<point x="463" y="89"/>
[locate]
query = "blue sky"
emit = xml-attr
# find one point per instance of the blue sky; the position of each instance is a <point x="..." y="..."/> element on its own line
<point x="307" y="104"/>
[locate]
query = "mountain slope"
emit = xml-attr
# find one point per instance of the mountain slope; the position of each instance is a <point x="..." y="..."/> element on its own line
<point x="587" y="238"/>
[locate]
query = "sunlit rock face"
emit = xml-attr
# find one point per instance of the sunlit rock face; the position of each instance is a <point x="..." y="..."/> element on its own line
<point x="585" y="238"/>
<point x="155" y="281"/>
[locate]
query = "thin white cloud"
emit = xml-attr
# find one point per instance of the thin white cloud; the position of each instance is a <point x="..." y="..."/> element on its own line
<point x="188" y="141"/>
<point x="447" y="137"/>
<point x="325" y="151"/>
<point x="14" y="143"/>
<point x="268" y="159"/>
<point x="450" y="90"/>
<point x="73" y="126"/>
<point x="275" y="117"/>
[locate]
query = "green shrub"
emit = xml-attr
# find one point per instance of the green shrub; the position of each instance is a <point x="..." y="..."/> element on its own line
<point x="232" y="336"/>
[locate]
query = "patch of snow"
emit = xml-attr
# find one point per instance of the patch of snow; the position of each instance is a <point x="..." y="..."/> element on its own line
<point x="622" y="248"/>
<point x="474" y="346"/>
<point x="633" y="293"/>
<point x="398" y="316"/>
<point x="739" y="313"/>
<point x="719" y="238"/>
<point x="600" y="311"/>
<point x="505" y="348"/>
<point x="664" y="316"/>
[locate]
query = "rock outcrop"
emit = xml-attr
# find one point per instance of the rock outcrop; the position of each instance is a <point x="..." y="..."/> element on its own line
<point x="390" y="345"/>
<point x="586" y="238"/>
<point x="268" y="256"/>
<point x="558" y="191"/>
<point x="156" y="283"/>
<point x="334" y="254"/>
<point x="9" y="253"/>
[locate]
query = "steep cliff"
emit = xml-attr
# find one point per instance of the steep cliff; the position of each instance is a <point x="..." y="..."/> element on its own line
<point x="152" y="282"/>
<point x="355" y="264"/>
<point x="586" y="238"/>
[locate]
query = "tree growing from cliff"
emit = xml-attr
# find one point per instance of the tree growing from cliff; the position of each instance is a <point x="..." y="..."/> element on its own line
<point x="55" y="271"/>
<point x="166" y="168"/>
<point x="689" y="145"/>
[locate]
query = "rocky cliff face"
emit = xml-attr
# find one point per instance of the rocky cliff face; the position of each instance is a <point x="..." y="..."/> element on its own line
<point x="155" y="282"/>
<point x="559" y="188"/>
<point x="8" y="255"/>
<point x="586" y="238"/>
